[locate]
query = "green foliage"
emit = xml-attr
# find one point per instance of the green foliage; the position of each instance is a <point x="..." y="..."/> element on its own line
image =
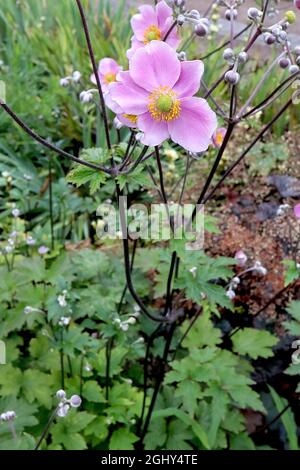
<point x="287" y="419"/>
<point x="254" y="343"/>
<point x="81" y="174"/>
<point x="292" y="271"/>
<point x="207" y="385"/>
<point x="266" y="157"/>
<point x="212" y="385"/>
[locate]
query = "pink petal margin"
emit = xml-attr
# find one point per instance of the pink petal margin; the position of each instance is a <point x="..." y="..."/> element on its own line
<point x="194" y="128"/>
<point x="155" y="65"/>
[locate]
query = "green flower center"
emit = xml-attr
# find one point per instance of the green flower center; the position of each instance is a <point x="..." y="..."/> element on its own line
<point x="151" y="36"/>
<point x="164" y="103"/>
<point x="152" y="33"/>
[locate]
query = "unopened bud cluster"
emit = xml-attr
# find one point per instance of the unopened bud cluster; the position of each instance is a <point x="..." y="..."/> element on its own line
<point x="8" y="416"/>
<point x="66" y="404"/>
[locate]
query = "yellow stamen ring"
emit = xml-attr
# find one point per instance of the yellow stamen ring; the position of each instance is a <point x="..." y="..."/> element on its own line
<point x="219" y="138"/>
<point x="131" y="117"/>
<point x="152" y="33"/>
<point x="110" y="78"/>
<point x="164" y="104"/>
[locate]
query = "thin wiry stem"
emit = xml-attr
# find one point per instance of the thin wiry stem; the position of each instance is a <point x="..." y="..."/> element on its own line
<point x="159" y="380"/>
<point x="47" y="144"/>
<point x="192" y="323"/>
<point x="150" y="341"/>
<point x="108" y="352"/>
<point x="95" y="70"/>
<point x="262" y="309"/>
<point x="47" y="427"/>
<point x="226" y="43"/>
<point x="259" y="86"/>
<point x="126" y="255"/>
<point x="161" y="176"/>
<point x="51" y="204"/>
<point x="247" y="150"/>
<point x="265" y="101"/>
<point x="127" y="153"/>
<point x="173" y="25"/>
<point x="168" y="306"/>
<point x="131" y="268"/>
<point x="216" y="163"/>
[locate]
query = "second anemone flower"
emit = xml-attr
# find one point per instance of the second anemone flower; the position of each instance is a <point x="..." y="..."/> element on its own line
<point x="108" y="70"/>
<point x="158" y="94"/>
<point x="153" y="23"/>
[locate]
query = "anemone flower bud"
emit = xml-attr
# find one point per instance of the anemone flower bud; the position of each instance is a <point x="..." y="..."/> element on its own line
<point x="297" y="50"/>
<point x="201" y="30"/>
<point x="179" y="3"/>
<point x="86" y="97"/>
<point x="276" y="30"/>
<point x="75" y="401"/>
<point x="228" y="54"/>
<point x="232" y="77"/>
<point x="180" y="20"/>
<point x="61" y="394"/>
<point x="76" y="76"/>
<point x="195" y="14"/>
<point x="231" y="13"/>
<point x="294" y="69"/>
<point x="64" y="82"/>
<point x="15" y="213"/>
<point x="284" y="62"/>
<point x="231" y="294"/>
<point x="63" y="410"/>
<point x="282" y="36"/>
<point x="290" y="16"/>
<point x="241" y="258"/>
<point x="254" y="13"/>
<point x="181" y="56"/>
<point x="298" y="61"/>
<point x="259" y="268"/>
<point x="269" y="38"/>
<point x="43" y="250"/>
<point x="243" y="57"/>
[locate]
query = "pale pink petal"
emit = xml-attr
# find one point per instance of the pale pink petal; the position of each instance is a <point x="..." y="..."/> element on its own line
<point x="190" y="77"/>
<point x="127" y="122"/>
<point x="163" y="12"/>
<point x="173" y="39"/>
<point x="135" y="45"/>
<point x="114" y="107"/>
<point x="194" y="128"/>
<point x="155" y="65"/>
<point x="131" y="98"/>
<point x="155" y="132"/>
<point x="140" y="22"/>
<point x="108" y="66"/>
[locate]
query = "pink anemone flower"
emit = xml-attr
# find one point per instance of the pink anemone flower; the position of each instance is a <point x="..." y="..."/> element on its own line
<point x="297" y="4"/>
<point x="158" y="91"/>
<point x="297" y="211"/>
<point x="108" y="70"/>
<point x="152" y="23"/>
<point x="218" y="137"/>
